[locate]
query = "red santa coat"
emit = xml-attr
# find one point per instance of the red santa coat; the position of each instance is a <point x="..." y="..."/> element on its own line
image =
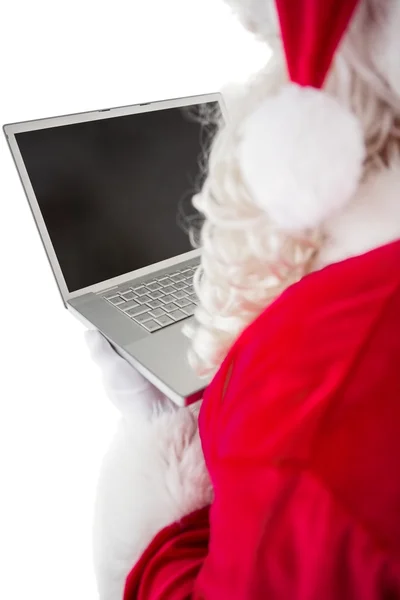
<point x="301" y="434"/>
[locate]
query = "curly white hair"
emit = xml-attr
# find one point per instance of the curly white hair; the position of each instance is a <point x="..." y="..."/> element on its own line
<point x="246" y="260"/>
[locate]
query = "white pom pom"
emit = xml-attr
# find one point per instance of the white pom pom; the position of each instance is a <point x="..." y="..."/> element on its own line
<point x="301" y="155"/>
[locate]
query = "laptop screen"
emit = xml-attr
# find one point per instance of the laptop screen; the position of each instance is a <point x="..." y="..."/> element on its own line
<point x="110" y="191"/>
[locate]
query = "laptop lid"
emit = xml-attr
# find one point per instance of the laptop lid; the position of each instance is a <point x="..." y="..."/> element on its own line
<point x="106" y="187"/>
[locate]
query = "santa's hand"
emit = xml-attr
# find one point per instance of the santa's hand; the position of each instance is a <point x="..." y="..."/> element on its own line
<point x="133" y="395"/>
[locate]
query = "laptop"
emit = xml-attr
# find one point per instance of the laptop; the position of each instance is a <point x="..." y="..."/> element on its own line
<point x="107" y="190"/>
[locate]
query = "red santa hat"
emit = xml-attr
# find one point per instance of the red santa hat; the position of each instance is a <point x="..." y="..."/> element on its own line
<point x="301" y="152"/>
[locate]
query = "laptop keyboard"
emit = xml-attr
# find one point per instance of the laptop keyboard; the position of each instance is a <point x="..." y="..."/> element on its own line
<point x="158" y="302"/>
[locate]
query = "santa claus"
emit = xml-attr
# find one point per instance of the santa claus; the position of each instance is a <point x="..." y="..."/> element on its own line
<point x="289" y="486"/>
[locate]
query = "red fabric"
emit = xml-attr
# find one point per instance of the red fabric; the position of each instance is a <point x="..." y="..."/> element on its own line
<point x="178" y="554"/>
<point x="301" y="434"/>
<point x="311" y="32"/>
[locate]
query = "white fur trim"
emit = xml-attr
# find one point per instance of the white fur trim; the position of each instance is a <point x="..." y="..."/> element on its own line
<point x="153" y="474"/>
<point x="301" y="156"/>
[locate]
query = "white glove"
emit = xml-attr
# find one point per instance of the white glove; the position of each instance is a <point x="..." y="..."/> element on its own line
<point x="132" y="394"/>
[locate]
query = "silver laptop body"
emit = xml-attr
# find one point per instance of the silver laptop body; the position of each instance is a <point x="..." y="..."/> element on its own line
<point x="104" y="189"/>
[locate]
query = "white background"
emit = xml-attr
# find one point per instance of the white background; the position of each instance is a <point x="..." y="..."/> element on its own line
<point x="55" y="422"/>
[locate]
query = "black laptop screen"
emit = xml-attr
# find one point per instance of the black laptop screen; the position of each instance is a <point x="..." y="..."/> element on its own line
<point x="110" y="190"/>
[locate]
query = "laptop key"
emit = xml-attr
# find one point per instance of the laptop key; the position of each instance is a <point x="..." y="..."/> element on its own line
<point x="170" y="307"/>
<point x="180" y="285"/>
<point x="177" y="315"/>
<point x="182" y="302"/>
<point x="153" y="287"/>
<point x="122" y="304"/>
<point x="189" y="309"/>
<point x="140" y="291"/>
<point x="111" y="294"/>
<point x="177" y="278"/>
<point x="143" y="299"/>
<point x="142" y="318"/>
<point x="179" y="294"/>
<point x="156" y="295"/>
<point x="169" y="289"/>
<point x="164" y="281"/>
<point x="128" y="295"/>
<point x="116" y="300"/>
<point x="128" y="305"/>
<point x="167" y="299"/>
<point x="156" y="313"/>
<point x="151" y="326"/>
<point x="154" y="304"/>
<point x="138" y="310"/>
<point x="165" y="320"/>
